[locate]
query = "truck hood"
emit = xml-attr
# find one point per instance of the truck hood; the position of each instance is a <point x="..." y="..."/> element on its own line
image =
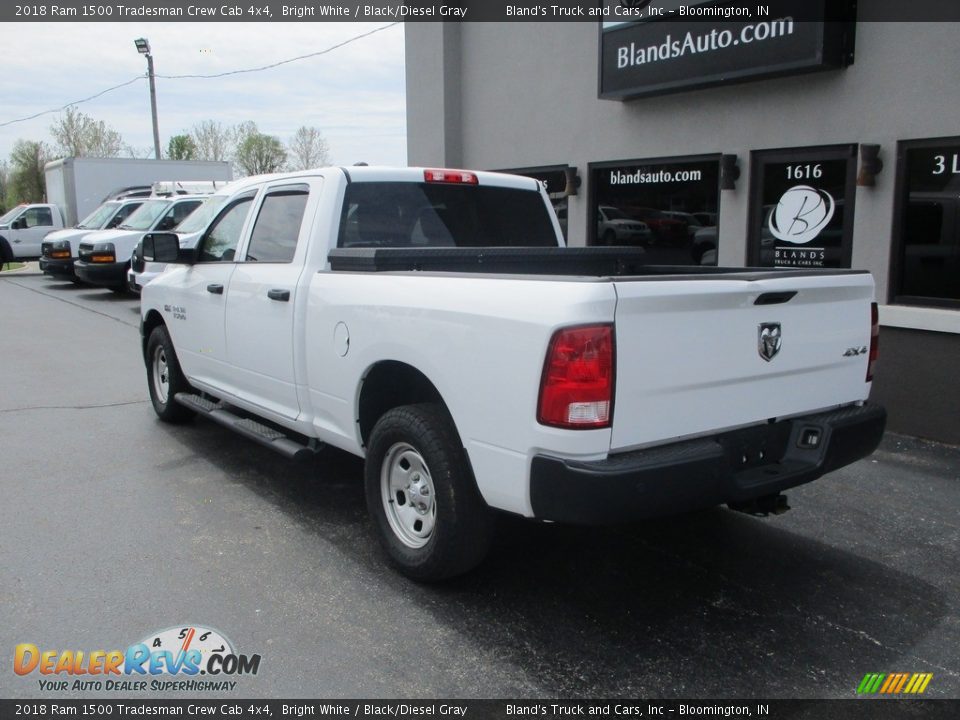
<point x="71" y="235"/>
<point x="124" y="241"/>
<point x="189" y="240"/>
<point x="112" y="235"/>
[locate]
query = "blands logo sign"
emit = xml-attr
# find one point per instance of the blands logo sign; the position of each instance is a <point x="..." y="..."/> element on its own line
<point x="894" y="683"/>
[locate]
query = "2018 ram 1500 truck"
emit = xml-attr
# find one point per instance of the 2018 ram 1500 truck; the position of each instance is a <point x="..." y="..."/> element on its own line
<point x="431" y="322"/>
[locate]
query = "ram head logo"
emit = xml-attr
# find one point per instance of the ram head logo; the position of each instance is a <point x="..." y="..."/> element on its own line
<point x="768" y="340"/>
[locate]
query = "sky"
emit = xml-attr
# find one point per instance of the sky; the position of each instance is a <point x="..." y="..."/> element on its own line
<point x="354" y="94"/>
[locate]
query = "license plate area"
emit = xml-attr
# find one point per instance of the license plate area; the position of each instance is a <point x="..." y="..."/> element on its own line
<point x="757" y="446"/>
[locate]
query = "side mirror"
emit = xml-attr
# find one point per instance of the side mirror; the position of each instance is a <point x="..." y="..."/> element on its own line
<point x="164" y="248"/>
<point x="19" y="224"/>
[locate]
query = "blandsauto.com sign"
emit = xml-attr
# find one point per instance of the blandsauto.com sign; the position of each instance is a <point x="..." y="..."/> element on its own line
<point x="694" y="45"/>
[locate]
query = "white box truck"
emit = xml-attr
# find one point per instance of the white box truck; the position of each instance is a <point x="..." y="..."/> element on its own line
<point x="78" y="185"/>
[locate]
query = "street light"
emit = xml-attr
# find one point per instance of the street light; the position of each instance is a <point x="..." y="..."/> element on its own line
<point x="143" y="47"/>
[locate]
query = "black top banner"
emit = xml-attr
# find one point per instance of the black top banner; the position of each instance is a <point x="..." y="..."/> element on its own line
<point x="427" y="709"/>
<point x="608" y="11"/>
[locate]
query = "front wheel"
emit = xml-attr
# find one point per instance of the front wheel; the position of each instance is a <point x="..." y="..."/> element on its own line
<point x="421" y="494"/>
<point x="164" y="377"/>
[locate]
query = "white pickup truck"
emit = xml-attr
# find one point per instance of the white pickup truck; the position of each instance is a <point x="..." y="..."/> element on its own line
<point x="23" y="229"/>
<point x="431" y="322"/>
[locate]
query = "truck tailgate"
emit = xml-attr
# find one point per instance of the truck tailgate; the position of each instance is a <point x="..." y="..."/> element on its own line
<point x="689" y="358"/>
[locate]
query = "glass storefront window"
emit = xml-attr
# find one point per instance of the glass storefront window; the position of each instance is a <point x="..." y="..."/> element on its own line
<point x="802" y="207"/>
<point x="668" y="207"/>
<point x="926" y="250"/>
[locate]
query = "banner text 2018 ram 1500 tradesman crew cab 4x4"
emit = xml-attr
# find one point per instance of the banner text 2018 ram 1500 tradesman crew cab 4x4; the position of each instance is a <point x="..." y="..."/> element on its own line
<point x="431" y="322"/>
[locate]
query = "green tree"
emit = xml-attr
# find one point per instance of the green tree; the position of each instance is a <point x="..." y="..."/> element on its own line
<point x="76" y="134"/>
<point x="4" y="186"/>
<point x="259" y="154"/>
<point x="181" y="147"/>
<point x="308" y="149"/>
<point x="27" y="182"/>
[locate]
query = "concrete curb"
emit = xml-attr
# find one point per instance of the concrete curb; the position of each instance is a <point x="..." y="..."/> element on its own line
<point x="30" y="268"/>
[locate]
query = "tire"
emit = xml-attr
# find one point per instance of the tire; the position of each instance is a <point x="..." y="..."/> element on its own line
<point x="164" y="378"/>
<point x="429" y="515"/>
<point x="609" y="238"/>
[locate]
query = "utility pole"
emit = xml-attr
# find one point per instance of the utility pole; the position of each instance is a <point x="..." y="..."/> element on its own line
<point x="143" y="47"/>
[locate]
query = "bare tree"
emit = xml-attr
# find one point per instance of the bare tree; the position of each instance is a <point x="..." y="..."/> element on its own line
<point x="308" y="149"/>
<point x="78" y="135"/>
<point x="144" y="152"/>
<point x="212" y="140"/>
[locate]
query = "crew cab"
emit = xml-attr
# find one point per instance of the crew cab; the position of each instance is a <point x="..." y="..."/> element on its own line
<point x="104" y="256"/>
<point x="190" y="230"/>
<point x="431" y="322"/>
<point x="58" y="251"/>
<point x="23" y="228"/>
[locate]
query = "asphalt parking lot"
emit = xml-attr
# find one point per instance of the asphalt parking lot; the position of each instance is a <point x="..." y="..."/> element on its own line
<point x="115" y="525"/>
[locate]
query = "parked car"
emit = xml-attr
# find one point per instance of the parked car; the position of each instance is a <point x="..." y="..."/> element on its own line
<point x="666" y="230"/>
<point x="431" y="322"/>
<point x="23" y="229"/>
<point x="104" y="256"/>
<point x="59" y="249"/>
<point x="614" y="227"/>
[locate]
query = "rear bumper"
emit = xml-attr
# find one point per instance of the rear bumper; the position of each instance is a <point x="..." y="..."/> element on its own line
<point x="734" y="467"/>
<point x="106" y="274"/>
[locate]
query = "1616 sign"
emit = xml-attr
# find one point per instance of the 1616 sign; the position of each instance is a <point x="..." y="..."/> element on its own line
<point x="802" y="214"/>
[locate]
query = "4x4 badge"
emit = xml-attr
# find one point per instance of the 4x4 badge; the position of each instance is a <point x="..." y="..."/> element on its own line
<point x="768" y="340"/>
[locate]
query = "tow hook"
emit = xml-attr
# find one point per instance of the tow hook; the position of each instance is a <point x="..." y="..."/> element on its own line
<point x="762" y="506"/>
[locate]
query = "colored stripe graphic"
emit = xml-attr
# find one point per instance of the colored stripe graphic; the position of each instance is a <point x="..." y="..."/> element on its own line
<point x="894" y="683"/>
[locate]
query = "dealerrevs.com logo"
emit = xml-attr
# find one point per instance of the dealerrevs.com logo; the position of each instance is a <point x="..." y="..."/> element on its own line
<point x="187" y="657"/>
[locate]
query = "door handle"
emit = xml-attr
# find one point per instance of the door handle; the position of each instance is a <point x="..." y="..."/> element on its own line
<point x="215" y="288"/>
<point x="281" y="295"/>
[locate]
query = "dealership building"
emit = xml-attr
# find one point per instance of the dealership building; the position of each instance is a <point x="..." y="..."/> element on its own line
<point x="763" y="141"/>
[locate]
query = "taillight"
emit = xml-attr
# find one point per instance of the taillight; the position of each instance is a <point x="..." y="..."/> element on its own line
<point x="460" y="177"/>
<point x="874" y="340"/>
<point x="576" y="390"/>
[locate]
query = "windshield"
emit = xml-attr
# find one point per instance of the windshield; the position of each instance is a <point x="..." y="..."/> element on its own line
<point x="99" y="217"/>
<point x="146" y="215"/>
<point x="11" y="215"/>
<point x="201" y="217"/>
<point x="406" y="214"/>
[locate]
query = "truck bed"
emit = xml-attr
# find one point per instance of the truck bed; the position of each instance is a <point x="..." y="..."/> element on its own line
<point x="600" y="262"/>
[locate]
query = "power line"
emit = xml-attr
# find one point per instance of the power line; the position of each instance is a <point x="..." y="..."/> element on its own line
<point x="217" y="75"/>
<point x="284" y="62"/>
<point x="75" y="102"/>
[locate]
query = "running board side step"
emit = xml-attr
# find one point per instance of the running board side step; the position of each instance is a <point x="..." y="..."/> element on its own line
<point x="263" y="434"/>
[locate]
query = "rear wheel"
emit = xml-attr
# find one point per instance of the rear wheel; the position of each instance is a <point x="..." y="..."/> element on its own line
<point x="420" y="490"/>
<point x="164" y="377"/>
